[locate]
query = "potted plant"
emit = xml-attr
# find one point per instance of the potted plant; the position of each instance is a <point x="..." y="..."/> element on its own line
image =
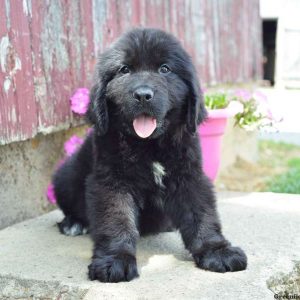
<point x="212" y="130"/>
<point x="251" y="111"/>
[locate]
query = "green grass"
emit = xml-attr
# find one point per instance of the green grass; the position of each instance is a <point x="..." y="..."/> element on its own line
<point x="294" y="163"/>
<point x="284" y="157"/>
<point x="278" y="146"/>
<point x="289" y="182"/>
<point x="277" y="154"/>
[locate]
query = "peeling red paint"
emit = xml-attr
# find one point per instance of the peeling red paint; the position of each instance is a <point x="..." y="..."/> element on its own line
<point x="18" y="108"/>
<point x="56" y="41"/>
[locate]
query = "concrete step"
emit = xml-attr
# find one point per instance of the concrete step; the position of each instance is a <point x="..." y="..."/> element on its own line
<point x="37" y="262"/>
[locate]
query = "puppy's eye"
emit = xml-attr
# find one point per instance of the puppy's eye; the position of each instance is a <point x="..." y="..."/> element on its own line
<point x="164" y="69"/>
<point x="124" y="70"/>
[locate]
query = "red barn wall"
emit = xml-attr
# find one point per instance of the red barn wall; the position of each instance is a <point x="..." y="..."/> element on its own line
<point x="48" y="49"/>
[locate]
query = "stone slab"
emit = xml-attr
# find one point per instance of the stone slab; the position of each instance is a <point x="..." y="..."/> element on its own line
<point x="37" y="262"/>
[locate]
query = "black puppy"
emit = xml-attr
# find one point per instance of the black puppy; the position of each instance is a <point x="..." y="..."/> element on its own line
<point x="140" y="169"/>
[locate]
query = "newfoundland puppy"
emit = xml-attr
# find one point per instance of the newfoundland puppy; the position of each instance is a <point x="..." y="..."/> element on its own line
<point x="139" y="171"/>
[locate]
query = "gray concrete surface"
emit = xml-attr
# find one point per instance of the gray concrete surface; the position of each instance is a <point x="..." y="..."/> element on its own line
<point x="25" y="171"/>
<point x="37" y="262"/>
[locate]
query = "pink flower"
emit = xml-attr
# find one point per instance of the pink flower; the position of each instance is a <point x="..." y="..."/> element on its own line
<point x="89" y="130"/>
<point x="80" y="101"/>
<point x="236" y="107"/>
<point x="260" y="97"/>
<point x="203" y="90"/>
<point x="274" y="116"/>
<point x="244" y="94"/>
<point x="60" y="163"/>
<point x="50" y="194"/>
<point x="72" y="144"/>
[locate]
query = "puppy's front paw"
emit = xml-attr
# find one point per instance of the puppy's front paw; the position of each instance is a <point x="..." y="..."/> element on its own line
<point x="221" y="259"/>
<point x="113" y="268"/>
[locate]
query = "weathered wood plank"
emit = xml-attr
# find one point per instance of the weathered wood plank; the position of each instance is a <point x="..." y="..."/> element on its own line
<point x="88" y="54"/>
<point x="50" y="44"/>
<point x="51" y="48"/>
<point x="18" y="107"/>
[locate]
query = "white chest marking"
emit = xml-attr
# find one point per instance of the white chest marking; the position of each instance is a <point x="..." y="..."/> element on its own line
<point x="158" y="173"/>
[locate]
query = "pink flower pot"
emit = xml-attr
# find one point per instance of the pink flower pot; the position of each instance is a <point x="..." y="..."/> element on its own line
<point x="210" y="134"/>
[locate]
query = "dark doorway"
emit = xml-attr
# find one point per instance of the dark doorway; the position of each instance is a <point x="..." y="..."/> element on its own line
<point x="269" y="44"/>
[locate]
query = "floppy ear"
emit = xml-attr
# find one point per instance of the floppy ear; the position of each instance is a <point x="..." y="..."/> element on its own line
<point x="196" y="111"/>
<point x="97" y="112"/>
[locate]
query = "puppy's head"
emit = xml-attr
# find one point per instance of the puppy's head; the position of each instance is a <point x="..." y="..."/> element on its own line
<point x="145" y="84"/>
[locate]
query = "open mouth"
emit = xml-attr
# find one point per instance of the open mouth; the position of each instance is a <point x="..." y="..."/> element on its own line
<point x="144" y="125"/>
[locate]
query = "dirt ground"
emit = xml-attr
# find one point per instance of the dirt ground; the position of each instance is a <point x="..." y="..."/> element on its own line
<point x="250" y="177"/>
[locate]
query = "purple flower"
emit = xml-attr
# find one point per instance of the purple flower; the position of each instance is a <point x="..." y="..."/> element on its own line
<point x="89" y="130"/>
<point x="50" y="194"/>
<point x="260" y="97"/>
<point x="274" y="116"/>
<point x="80" y="101"/>
<point x="60" y="163"/>
<point x="270" y="114"/>
<point x="236" y="106"/>
<point x="72" y="144"/>
<point x="244" y="94"/>
<point x="203" y="90"/>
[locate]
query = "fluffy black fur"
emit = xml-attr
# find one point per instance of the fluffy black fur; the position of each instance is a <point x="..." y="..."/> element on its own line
<point x="120" y="186"/>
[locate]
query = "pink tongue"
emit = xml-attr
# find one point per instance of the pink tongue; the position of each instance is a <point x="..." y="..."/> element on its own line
<point x="144" y="126"/>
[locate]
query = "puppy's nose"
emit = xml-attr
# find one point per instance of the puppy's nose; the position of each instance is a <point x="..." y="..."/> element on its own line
<point x="143" y="93"/>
